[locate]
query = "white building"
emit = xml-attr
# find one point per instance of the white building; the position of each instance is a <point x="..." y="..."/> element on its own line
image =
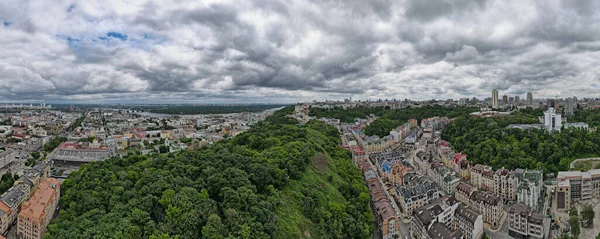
<point x="552" y="120"/>
<point x="528" y="186"/>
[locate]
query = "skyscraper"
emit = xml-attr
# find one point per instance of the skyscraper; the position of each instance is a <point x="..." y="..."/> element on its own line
<point x="569" y="106"/>
<point x="494" y="98"/>
<point x="529" y="98"/>
<point x="505" y="99"/>
<point x="517" y="100"/>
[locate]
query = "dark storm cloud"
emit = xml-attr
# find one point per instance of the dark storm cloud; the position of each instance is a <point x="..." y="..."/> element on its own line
<point x="296" y="50"/>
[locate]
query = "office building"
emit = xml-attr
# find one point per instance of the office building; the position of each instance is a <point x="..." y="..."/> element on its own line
<point x="39" y="210"/>
<point x="494" y="98"/>
<point x="529" y="99"/>
<point x="505" y="99"/>
<point x="517" y="100"/>
<point x="552" y="120"/>
<point x="523" y="222"/>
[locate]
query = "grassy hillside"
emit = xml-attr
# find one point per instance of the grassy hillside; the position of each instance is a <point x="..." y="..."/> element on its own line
<point x="278" y="180"/>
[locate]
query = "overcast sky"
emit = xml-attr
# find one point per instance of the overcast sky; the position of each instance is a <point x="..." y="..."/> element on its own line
<point x="296" y="50"/>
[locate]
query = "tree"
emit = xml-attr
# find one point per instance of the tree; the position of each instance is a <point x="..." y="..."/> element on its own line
<point x="485" y="236"/>
<point x="35" y="155"/>
<point x="228" y="190"/>
<point x="214" y="228"/>
<point x="587" y="215"/>
<point x="574" y="222"/>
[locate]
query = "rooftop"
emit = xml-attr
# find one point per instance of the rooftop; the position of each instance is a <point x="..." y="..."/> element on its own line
<point x="34" y="207"/>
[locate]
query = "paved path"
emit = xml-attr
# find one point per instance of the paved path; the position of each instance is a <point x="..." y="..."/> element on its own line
<point x="577" y="160"/>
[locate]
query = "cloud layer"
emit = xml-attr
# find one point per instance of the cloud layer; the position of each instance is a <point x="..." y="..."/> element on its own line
<point x="285" y="51"/>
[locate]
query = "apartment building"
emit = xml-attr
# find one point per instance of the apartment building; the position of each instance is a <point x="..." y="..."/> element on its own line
<point x="384" y="212"/>
<point x="468" y="222"/>
<point x="464" y="192"/>
<point x="529" y="186"/>
<point x="482" y="177"/>
<point x="575" y="186"/>
<point x="435" y="220"/>
<point x="523" y="222"/>
<point x="446" y="218"/>
<point x="417" y="191"/>
<point x="10" y="204"/>
<point x="38" y="210"/>
<point x="504" y="184"/>
<point x="489" y="205"/>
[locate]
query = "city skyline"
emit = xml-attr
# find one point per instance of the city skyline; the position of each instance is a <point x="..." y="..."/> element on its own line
<point x="209" y="52"/>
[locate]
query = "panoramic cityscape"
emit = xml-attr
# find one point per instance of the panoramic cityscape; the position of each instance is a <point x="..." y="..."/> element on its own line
<point x="221" y="119"/>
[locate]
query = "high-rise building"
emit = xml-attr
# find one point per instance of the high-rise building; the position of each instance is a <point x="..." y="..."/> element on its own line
<point x="529" y="99"/>
<point x="569" y="106"/>
<point x="505" y="99"/>
<point x="494" y="98"/>
<point x="511" y="100"/>
<point x="517" y="100"/>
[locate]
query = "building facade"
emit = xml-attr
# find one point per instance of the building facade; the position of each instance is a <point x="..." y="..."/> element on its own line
<point x="495" y="98"/>
<point x="39" y="210"/>
<point x="489" y="205"/>
<point x="552" y="120"/>
<point x="418" y="191"/>
<point x="523" y="222"/>
<point x="504" y="185"/>
<point x="573" y="186"/>
<point x="529" y="187"/>
<point x="469" y="222"/>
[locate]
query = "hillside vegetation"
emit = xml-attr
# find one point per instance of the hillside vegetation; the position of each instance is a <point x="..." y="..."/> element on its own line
<point x="389" y="119"/>
<point x="278" y="180"/>
<point x="488" y="141"/>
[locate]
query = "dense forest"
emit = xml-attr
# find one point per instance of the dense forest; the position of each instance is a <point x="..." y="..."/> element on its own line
<point x="488" y="141"/>
<point x="278" y="180"/>
<point x="592" y="117"/>
<point x="389" y="119"/>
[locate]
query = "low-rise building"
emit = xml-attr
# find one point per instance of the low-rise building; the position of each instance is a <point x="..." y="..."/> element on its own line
<point x="523" y="222"/>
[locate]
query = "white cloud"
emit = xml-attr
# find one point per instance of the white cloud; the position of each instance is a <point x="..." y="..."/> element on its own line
<point x="267" y="50"/>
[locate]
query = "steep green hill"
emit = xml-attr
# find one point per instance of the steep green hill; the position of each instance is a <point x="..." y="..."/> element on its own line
<point x="278" y="180"/>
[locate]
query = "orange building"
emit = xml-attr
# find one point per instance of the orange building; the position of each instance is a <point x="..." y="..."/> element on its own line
<point x="38" y="210"/>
